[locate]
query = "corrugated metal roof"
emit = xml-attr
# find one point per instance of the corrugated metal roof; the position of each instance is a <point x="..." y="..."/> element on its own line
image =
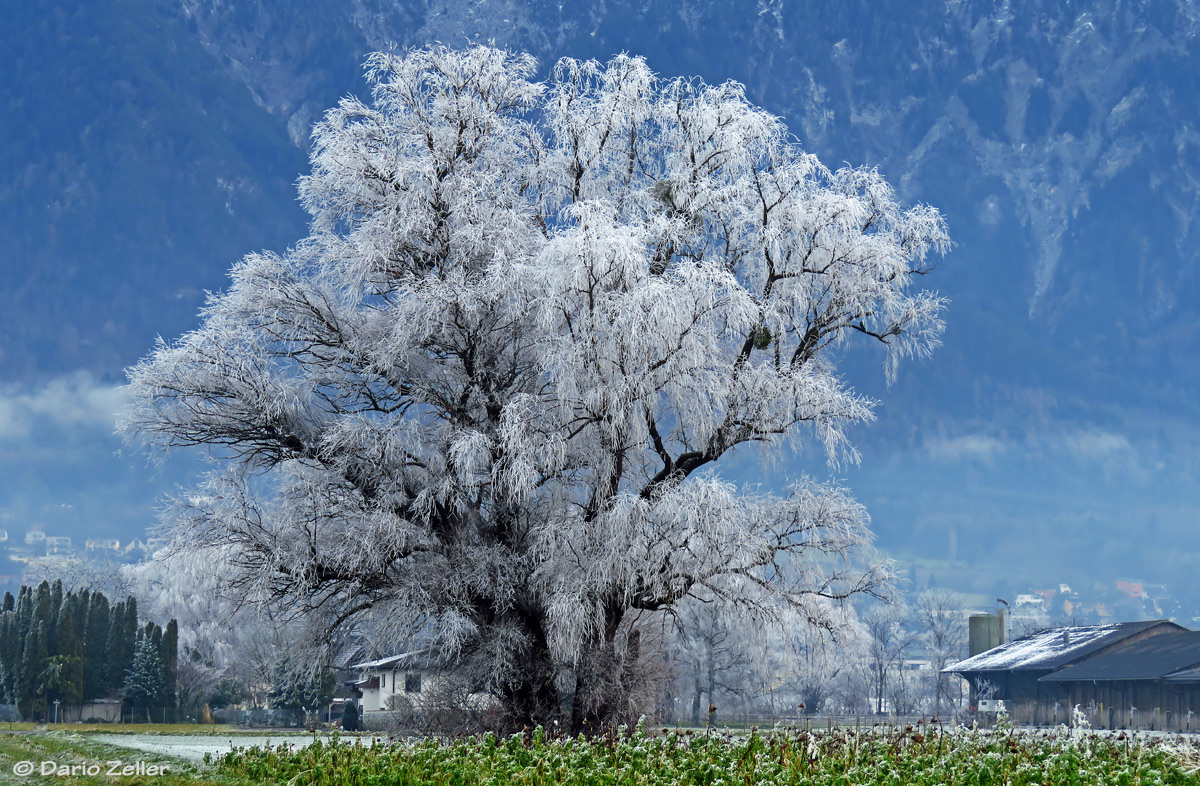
<point x="1053" y="648"/>
<point x="1149" y="659"/>
<point x="1187" y="675"/>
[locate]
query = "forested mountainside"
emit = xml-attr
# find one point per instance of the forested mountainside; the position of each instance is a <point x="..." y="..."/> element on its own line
<point x="150" y="143"/>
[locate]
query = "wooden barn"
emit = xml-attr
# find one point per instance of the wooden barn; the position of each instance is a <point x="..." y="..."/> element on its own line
<point x="1101" y="668"/>
<point x="1153" y="683"/>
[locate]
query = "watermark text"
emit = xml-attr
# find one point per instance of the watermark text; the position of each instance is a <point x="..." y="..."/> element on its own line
<point x="114" y="768"/>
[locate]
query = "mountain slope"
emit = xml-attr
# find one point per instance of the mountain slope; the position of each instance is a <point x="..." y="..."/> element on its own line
<point x="150" y="145"/>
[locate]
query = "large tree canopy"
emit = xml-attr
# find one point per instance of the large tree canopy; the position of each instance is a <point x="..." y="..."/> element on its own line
<point x="488" y="392"/>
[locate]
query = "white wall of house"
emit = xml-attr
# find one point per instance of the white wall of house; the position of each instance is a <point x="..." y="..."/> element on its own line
<point x="386" y="683"/>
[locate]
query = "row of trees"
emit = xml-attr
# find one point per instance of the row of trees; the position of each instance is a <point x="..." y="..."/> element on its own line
<point x="75" y="647"/>
<point x="888" y="658"/>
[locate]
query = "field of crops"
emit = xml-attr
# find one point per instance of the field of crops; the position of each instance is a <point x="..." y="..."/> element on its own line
<point x="884" y="757"/>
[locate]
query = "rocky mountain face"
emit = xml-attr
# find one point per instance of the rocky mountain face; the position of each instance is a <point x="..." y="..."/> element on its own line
<point x="150" y="143"/>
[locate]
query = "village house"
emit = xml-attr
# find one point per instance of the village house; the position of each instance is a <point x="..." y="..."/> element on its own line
<point x="407" y="675"/>
<point x="414" y="682"/>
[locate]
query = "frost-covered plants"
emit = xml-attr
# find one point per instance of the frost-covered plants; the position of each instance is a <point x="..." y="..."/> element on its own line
<point x="487" y="393"/>
<point x="839" y="758"/>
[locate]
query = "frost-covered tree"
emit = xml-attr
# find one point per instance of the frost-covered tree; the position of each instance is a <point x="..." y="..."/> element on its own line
<point x="887" y="641"/>
<point x="489" y="393"/>
<point x="824" y="666"/>
<point x="941" y="620"/>
<point x="143" y="682"/>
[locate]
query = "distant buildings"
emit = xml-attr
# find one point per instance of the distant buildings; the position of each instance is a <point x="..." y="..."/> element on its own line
<point x="39" y="552"/>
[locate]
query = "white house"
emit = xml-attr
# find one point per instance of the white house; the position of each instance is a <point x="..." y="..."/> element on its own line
<point x="399" y="675"/>
<point x="413" y="681"/>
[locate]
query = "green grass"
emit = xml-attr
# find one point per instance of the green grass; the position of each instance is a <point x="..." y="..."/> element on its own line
<point x="69" y="750"/>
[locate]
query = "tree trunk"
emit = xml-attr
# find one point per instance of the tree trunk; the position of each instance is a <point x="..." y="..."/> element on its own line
<point x="712" y="681"/>
<point x="597" y="682"/>
<point x="532" y="699"/>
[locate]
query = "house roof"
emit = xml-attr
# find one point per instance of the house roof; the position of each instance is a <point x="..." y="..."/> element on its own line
<point x="1054" y="648"/>
<point x="350" y="655"/>
<point x="416" y="659"/>
<point x="1149" y="659"/>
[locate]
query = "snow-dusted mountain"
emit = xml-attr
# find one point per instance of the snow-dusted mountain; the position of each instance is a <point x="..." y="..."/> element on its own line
<point x="147" y="145"/>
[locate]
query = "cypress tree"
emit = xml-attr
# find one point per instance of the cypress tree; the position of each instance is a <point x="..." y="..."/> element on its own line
<point x="81" y="614"/>
<point x="154" y="633"/>
<point x="56" y="602"/>
<point x="69" y="687"/>
<point x="41" y="606"/>
<point x="24" y="612"/>
<point x="131" y="624"/>
<point x="120" y="649"/>
<point x="96" y="654"/>
<point x="24" y="622"/>
<point x="169" y="652"/>
<point x="10" y="655"/>
<point x="33" y="660"/>
<point x="9" y="603"/>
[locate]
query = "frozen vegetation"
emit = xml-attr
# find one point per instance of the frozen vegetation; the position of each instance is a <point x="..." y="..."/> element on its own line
<point x="489" y="395"/>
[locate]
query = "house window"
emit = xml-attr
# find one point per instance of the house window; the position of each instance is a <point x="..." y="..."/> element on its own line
<point x="412" y="683"/>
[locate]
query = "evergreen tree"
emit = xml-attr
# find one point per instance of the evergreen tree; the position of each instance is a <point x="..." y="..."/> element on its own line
<point x="143" y="683"/>
<point x="10" y="655"/>
<point x="33" y="662"/>
<point x="56" y="602"/>
<point x="54" y="684"/>
<point x="96" y="681"/>
<point x="122" y="639"/>
<point x="155" y="633"/>
<point x="82" y="600"/>
<point x="350" y="717"/>
<point x="131" y="626"/>
<point x="23" y="624"/>
<point x="24" y="612"/>
<point x="116" y="628"/>
<point x="68" y="655"/>
<point x="170" y="659"/>
<point x="41" y="607"/>
<point x="9" y="603"/>
<point x="229" y="691"/>
<point x="303" y="691"/>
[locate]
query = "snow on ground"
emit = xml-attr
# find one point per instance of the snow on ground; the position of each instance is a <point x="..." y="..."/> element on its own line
<point x="193" y="747"/>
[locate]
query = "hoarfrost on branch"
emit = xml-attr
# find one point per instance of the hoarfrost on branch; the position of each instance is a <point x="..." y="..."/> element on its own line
<point x="488" y="393"/>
